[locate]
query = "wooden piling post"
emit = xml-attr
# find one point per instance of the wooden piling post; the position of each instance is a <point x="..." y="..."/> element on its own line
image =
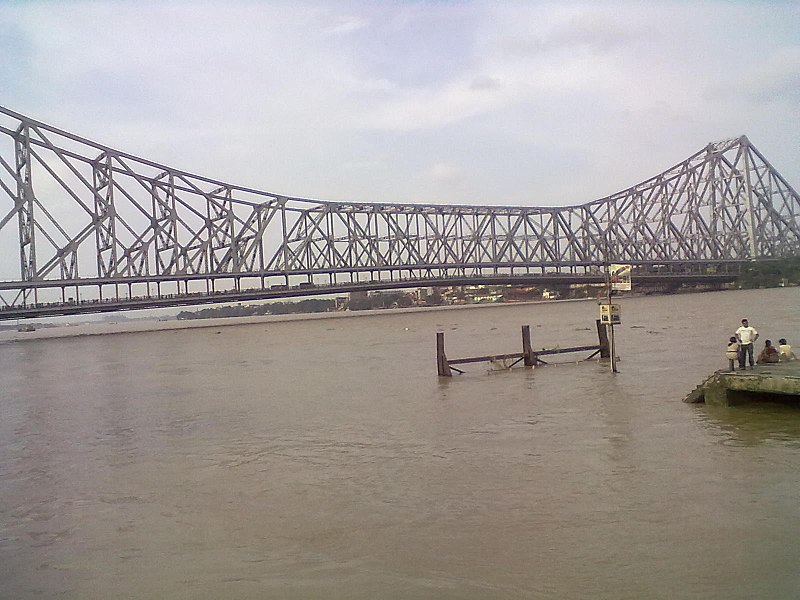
<point x="602" y="336"/>
<point x="442" y="365"/>
<point x="527" y="351"/>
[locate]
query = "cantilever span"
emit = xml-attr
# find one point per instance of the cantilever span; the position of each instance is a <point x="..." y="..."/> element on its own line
<point x="91" y="227"/>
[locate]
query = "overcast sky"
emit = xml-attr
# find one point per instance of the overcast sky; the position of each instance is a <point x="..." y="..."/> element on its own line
<point x="525" y="103"/>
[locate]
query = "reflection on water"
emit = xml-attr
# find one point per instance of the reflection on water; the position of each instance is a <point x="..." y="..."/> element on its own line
<point x="324" y="458"/>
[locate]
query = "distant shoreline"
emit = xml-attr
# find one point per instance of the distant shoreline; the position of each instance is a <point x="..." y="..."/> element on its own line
<point x="155" y="324"/>
<point x="147" y="325"/>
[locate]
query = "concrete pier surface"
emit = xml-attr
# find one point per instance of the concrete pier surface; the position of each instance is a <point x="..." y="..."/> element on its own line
<point x="774" y="382"/>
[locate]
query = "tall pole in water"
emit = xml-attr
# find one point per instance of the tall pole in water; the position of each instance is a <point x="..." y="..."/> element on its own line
<point x="610" y="325"/>
<point x="612" y="346"/>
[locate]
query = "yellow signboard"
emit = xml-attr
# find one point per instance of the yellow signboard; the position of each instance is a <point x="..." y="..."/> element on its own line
<point x="620" y="276"/>
<point x="610" y="314"/>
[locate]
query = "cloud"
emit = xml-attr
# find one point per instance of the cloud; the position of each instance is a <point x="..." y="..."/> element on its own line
<point x="484" y="82"/>
<point x="547" y="31"/>
<point x="345" y="25"/>
<point x="597" y="30"/>
<point x="512" y="102"/>
<point x="445" y="173"/>
<point x="775" y="78"/>
<point x="436" y="107"/>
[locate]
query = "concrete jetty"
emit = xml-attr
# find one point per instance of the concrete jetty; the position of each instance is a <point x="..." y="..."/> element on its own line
<point x="774" y="382"/>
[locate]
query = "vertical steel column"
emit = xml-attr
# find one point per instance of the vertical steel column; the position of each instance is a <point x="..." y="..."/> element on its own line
<point x="262" y="225"/>
<point x="749" y="216"/>
<point x="714" y="211"/>
<point x="221" y="234"/>
<point x="105" y="216"/>
<point x="164" y="223"/>
<point x="284" y="240"/>
<point x="235" y="245"/>
<point x="329" y="254"/>
<point x="24" y="208"/>
<point x="493" y="216"/>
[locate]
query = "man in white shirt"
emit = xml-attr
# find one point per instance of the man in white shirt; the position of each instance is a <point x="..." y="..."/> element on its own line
<point x="747" y="336"/>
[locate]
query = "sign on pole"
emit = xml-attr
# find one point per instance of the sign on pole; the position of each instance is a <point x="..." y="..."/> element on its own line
<point x="610" y="314"/>
<point x="620" y="276"/>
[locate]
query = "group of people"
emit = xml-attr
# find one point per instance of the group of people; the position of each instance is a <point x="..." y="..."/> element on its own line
<point x="740" y="347"/>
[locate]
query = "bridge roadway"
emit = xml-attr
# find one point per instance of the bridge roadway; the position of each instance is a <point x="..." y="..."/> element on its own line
<point x="54" y="309"/>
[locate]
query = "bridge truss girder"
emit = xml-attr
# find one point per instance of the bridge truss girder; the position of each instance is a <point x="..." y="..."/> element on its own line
<point x="101" y="218"/>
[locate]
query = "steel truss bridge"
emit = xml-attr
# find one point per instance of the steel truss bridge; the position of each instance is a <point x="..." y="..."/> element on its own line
<point x="85" y="228"/>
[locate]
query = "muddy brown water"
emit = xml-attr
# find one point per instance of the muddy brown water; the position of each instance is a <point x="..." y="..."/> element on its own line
<point x="323" y="458"/>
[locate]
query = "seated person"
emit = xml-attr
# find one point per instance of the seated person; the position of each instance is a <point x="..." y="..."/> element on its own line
<point x="785" y="350"/>
<point x="769" y="354"/>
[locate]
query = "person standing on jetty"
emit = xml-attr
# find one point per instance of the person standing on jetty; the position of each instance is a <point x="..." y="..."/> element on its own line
<point x="747" y="336"/>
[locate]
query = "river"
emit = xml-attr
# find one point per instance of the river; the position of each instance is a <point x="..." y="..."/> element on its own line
<point x="323" y="458"/>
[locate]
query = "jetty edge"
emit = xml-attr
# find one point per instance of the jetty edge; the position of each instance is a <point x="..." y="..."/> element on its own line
<point x="774" y="382"/>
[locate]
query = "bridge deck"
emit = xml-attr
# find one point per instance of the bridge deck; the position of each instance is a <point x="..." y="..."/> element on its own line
<point x="197" y="299"/>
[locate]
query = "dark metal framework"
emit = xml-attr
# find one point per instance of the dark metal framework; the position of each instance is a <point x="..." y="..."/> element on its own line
<point x="95" y="225"/>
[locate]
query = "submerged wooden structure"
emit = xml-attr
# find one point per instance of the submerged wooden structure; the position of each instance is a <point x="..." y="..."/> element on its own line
<point x="529" y="357"/>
